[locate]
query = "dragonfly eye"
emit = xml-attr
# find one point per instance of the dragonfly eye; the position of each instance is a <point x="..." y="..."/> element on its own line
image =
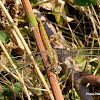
<point x="53" y="69"/>
<point x="59" y="68"/>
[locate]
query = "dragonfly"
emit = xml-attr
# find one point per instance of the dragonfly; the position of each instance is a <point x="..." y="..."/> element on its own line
<point x="24" y="60"/>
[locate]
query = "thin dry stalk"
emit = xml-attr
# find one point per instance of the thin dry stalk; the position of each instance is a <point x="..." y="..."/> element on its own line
<point x="4" y="79"/>
<point x="73" y="35"/>
<point x="94" y="26"/>
<point x="7" y="70"/>
<point x="95" y="15"/>
<point x="16" y="39"/>
<point x="96" y="69"/>
<point x="92" y="20"/>
<point x="13" y="90"/>
<point x="14" y="66"/>
<point x="94" y="73"/>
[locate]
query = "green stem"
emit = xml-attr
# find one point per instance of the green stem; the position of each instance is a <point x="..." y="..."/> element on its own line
<point x="29" y="13"/>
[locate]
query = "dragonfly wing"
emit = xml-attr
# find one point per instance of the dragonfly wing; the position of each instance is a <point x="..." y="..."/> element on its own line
<point x="89" y="52"/>
<point x="25" y="60"/>
<point x="85" y="52"/>
<point x="67" y="52"/>
<point x="21" y="61"/>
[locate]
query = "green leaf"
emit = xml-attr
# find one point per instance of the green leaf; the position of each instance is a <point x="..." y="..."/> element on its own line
<point x="8" y="93"/>
<point x="34" y="1"/>
<point x="85" y="2"/>
<point x="95" y="64"/>
<point x="17" y="87"/>
<point x="57" y="15"/>
<point x="4" y="37"/>
<point x="1" y="96"/>
<point x="81" y="61"/>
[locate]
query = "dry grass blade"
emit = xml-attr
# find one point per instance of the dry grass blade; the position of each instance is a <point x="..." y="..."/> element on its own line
<point x="7" y="70"/>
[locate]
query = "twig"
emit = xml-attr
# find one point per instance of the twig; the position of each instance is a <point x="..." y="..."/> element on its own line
<point x="34" y="28"/>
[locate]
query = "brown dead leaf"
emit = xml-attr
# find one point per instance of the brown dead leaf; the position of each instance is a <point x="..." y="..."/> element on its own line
<point x="52" y="4"/>
<point x="48" y="4"/>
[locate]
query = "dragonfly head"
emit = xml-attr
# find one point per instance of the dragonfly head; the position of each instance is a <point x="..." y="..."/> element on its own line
<point x="56" y="70"/>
